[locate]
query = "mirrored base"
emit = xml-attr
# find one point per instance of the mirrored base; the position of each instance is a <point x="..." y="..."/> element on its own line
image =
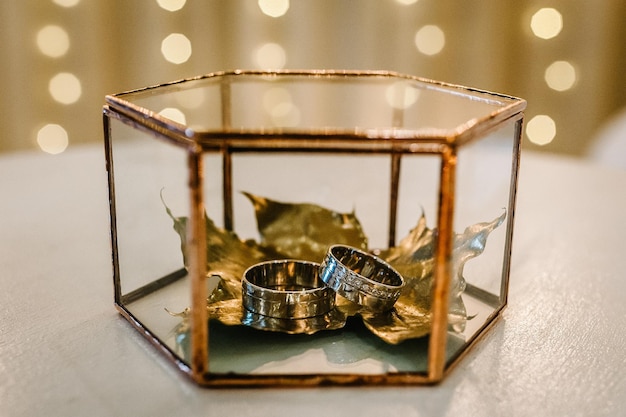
<point x="351" y="350"/>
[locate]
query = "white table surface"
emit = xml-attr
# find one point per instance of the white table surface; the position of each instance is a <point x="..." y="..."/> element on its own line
<point x="559" y="350"/>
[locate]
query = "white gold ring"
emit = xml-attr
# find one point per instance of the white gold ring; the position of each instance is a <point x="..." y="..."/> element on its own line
<point x="361" y="277"/>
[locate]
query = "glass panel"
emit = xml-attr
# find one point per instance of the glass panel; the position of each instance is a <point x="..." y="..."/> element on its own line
<point x="369" y="103"/>
<point x="419" y="192"/>
<point x="150" y="177"/>
<point x="195" y="104"/>
<point x="259" y="102"/>
<point x="482" y="211"/>
<point x="314" y="201"/>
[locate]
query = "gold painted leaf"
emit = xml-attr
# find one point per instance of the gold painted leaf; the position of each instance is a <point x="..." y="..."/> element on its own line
<point x="305" y="231"/>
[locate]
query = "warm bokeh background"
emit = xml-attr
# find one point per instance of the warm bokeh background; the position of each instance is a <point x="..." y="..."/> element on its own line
<point x="60" y="57"/>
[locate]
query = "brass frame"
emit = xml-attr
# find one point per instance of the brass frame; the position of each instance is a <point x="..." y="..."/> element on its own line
<point x="228" y="140"/>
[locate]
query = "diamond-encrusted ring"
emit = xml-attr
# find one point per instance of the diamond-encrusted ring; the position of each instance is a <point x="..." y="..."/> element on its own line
<point x="286" y="289"/>
<point x="361" y="277"/>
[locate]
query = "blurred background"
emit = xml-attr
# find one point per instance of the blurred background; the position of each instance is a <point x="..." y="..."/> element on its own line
<point x="59" y="58"/>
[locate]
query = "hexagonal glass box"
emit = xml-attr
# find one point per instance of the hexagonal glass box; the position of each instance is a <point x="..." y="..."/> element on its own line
<point x="228" y="191"/>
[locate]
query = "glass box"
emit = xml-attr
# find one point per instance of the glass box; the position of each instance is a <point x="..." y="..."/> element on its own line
<point x="212" y="177"/>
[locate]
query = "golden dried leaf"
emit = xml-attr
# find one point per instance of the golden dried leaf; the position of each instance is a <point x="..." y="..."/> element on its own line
<point x="305" y="231"/>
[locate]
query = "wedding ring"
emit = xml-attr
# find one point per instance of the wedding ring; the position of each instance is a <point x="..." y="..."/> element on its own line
<point x="286" y="289"/>
<point x="361" y="277"/>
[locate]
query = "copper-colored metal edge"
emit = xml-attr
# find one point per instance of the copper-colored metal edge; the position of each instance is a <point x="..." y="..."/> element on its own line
<point x="443" y="268"/>
<point x="391" y="137"/>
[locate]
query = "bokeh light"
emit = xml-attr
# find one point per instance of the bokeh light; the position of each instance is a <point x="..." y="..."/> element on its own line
<point x="401" y="95"/>
<point x="275" y="96"/>
<point x="176" y="48"/>
<point x="174" y="114"/>
<point x="274" y="8"/>
<point x="171" y="5"/>
<point x="541" y="130"/>
<point x="270" y="56"/>
<point x="546" y="23"/>
<point x="430" y="40"/>
<point x="67" y="3"/>
<point x="279" y="105"/>
<point x="286" y="115"/>
<point x="52" y="138"/>
<point x="65" y="88"/>
<point x="53" y="41"/>
<point x="406" y="2"/>
<point x="560" y="76"/>
<point x="190" y="99"/>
